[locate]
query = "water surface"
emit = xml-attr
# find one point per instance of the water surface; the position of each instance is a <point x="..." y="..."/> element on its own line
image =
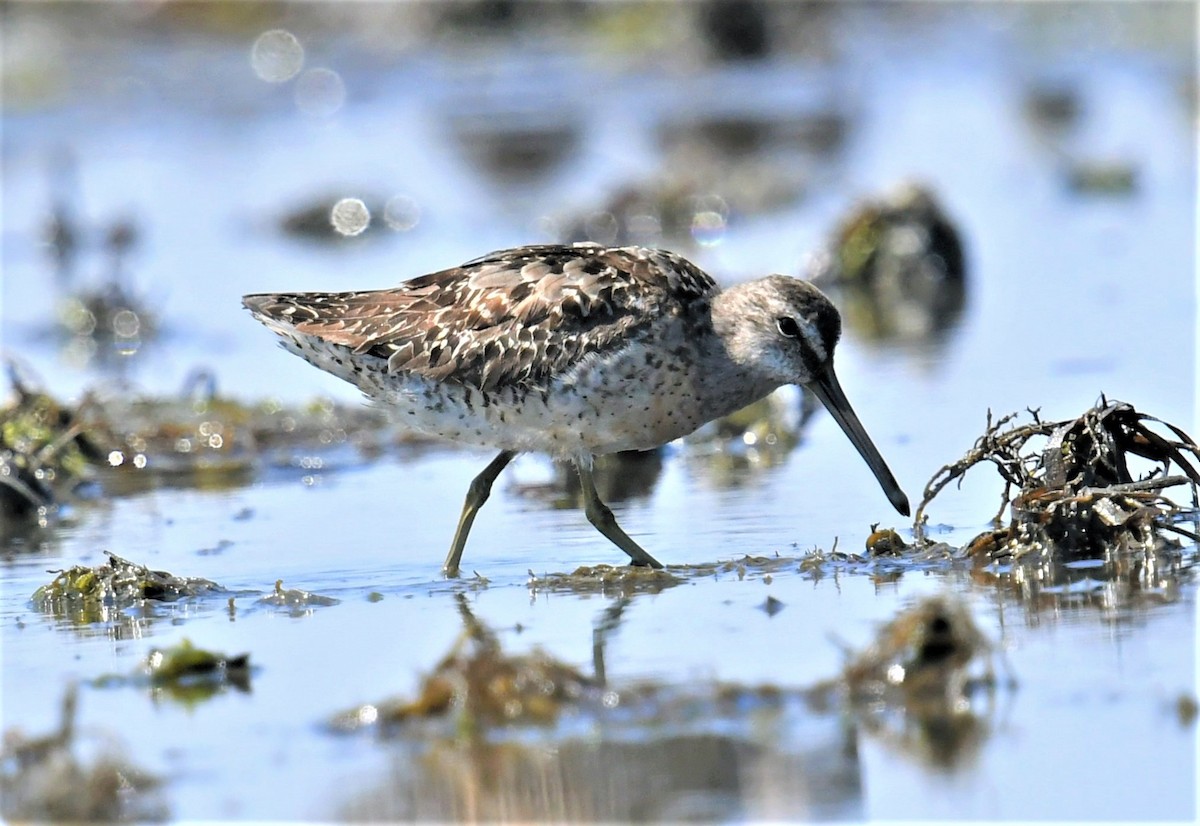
<point x="1070" y="295"/>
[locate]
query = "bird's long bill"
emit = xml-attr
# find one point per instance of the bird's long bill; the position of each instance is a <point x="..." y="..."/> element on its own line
<point x="829" y="391"/>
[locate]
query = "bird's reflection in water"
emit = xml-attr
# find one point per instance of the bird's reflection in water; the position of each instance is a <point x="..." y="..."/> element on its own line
<point x="645" y="752"/>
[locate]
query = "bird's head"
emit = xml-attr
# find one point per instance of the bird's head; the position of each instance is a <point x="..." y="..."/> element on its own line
<point x="785" y="331"/>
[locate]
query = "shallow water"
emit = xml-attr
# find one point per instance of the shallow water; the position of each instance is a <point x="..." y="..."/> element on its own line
<point x="1070" y="295"/>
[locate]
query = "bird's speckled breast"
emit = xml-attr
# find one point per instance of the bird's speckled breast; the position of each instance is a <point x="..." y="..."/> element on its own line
<point x="634" y="398"/>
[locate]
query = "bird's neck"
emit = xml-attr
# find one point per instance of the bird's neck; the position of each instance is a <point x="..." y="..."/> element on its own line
<point x="732" y="347"/>
<point x="731" y="309"/>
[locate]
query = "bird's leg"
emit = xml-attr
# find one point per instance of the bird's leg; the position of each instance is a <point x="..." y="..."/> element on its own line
<point x="604" y="521"/>
<point x="477" y="494"/>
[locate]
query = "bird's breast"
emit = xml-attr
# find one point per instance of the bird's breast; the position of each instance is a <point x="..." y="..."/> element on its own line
<point x="638" y="397"/>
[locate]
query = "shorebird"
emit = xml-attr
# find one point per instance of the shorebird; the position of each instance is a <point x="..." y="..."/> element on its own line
<point x="574" y="351"/>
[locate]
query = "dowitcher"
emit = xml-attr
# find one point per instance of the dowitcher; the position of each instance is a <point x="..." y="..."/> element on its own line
<point x="573" y="351"/>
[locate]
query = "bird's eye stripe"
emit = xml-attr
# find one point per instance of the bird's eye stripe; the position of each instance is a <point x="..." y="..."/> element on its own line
<point x="812" y="337"/>
<point x="805" y="330"/>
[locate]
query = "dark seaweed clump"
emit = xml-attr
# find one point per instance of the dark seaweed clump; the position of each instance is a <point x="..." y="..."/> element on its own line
<point x="1076" y="497"/>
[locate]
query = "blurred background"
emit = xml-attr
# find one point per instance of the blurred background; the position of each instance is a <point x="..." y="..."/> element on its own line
<point x="172" y="156"/>
<point x="1000" y="197"/>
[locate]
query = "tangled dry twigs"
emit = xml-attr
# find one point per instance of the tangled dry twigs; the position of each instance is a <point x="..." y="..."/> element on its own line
<point x="1077" y="493"/>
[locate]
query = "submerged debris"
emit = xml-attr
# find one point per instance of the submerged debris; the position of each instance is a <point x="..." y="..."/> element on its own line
<point x="190" y="675"/>
<point x="1113" y="177"/>
<point x="920" y="659"/>
<point x="1052" y="106"/>
<point x="1077" y="496"/>
<point x="914" y="684"/>
<point x="82" y="594"/>
<point x="44" y="454"/>
<point x="607" y="579"/>
<point x="900" y="262"/>
<point x="296" y="600"/>
<point x="626" y="580"/>
<point x="1186" y="709"/>
<point x="202" y="437"/>
<point x="185" y="664"/>
<point x="185" y="674"/>
<point x="45" y="779"/>
<point x="125" y="443"/>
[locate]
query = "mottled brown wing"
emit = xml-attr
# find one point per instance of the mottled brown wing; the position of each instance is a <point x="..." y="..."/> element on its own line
<point x="515" y="317"/>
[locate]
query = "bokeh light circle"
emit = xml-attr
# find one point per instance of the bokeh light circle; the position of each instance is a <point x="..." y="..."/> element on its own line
<point x="320" y="92"/>
<point x="276" y="56"/>
<point x="350" y="216"/>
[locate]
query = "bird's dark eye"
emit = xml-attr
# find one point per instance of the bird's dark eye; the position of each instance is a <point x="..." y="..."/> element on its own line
<point x="788" y="327"/>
